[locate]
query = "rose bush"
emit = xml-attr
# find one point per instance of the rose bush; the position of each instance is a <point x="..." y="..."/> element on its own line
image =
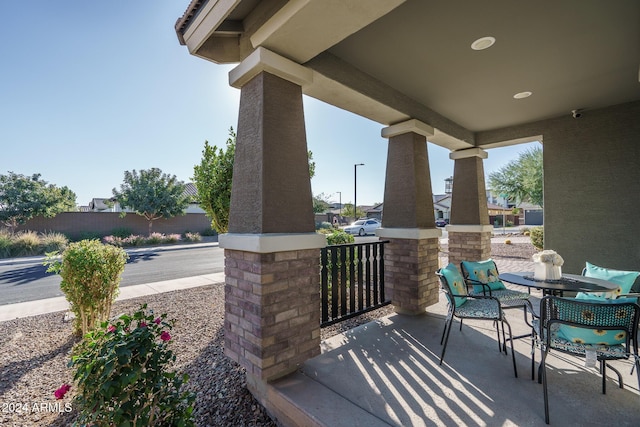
<point x="122" y="377"/>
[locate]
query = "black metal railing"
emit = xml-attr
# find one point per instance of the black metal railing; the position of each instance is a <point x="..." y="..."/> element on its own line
<point x="351" y="280"/>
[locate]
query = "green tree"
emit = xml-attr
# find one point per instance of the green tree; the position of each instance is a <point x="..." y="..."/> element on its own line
<point x="521" y="179"/>
<point x="24" y="197"/>
<point x="347" y="211"/>
<point x="212" y="178"/>
<point x="320" y="203"/>
<point x="312" y="164"/>
<point x="152" y="194"/>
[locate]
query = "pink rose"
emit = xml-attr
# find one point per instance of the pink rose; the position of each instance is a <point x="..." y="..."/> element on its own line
<point x="164" y="336"/>
<point x="143" y="324"/>
<point x="59" y="393"/>
<point x="111" y="328"/>
<point x="157" y="321"/>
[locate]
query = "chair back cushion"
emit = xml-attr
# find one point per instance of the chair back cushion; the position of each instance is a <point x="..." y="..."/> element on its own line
<point x="581" y="335"/>
<point x="455" y="283"/>
<point x="484" y="272"/>
<point x="624" y="279"/>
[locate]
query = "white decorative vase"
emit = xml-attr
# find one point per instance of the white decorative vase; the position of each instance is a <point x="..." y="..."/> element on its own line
<point x="545" y="271"/>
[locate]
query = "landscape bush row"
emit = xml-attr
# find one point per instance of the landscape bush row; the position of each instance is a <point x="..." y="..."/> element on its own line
<point x="31" y="243"/>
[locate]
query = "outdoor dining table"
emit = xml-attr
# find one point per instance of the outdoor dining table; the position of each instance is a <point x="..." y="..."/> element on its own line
<point x="566" y="283"/>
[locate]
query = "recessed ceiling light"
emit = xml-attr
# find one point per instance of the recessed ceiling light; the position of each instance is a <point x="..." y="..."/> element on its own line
<point x="483" y="43"/>
<point x="521" y="95"/>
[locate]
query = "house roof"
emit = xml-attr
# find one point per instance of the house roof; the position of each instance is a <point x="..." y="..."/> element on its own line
<point x="191" y="190"/>
<point x="570" y="54"/>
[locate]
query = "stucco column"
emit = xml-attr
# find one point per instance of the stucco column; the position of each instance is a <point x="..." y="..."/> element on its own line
<point x="411" y="257"/>
<point x="272" y="268"/>
<point x="469" y="229"/>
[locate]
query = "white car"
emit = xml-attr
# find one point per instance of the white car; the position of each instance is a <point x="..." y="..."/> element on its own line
<point x="363" y="227"/>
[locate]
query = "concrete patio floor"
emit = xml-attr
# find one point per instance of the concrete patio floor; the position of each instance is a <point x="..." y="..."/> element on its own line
<point x="387" y="373"/>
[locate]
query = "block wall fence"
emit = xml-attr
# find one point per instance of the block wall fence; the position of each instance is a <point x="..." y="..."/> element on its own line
<point x="76" y="224"/>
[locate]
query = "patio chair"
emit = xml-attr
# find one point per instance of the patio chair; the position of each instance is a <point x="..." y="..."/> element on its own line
<point x="594" y="330"/>
<point x="465" y="306"/>
<point x="482" y="278"/>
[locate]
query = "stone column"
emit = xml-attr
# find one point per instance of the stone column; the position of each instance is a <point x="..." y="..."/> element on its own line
<point x="408" y="222"/>
<point x="469" y="229"/>
<point x="272" y="253"/>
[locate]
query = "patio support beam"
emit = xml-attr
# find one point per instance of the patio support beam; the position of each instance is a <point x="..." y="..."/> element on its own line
<point x="469" y="229"/>
<point x="272" y="273"/>
<point x="411" y="257"/>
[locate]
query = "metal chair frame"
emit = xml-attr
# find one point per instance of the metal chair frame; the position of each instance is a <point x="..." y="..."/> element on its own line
<point x="589" y="315"/>
<point x="452" y="312"/>
<point x="508" y="299"/>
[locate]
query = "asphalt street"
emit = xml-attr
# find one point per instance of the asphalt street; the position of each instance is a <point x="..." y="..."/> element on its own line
<point x="26" y="279"/>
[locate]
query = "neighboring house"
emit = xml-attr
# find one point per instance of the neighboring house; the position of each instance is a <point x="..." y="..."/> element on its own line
<point x="442" y="206"/>
<point x="533" y="214"/>
<point x="111" y="205"/>
<point x="102" y="205"/>
<point x="194" y="205"/>
<point x="374" y="211"/>
<point x="495" y="199"/>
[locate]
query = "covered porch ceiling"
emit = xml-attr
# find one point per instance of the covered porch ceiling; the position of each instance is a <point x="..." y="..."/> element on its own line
<point x="394" y="60"/>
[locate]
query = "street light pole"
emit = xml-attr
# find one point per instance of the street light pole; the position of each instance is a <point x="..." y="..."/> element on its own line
<point x="340" y="205"/>
<point x="355" y="190"/>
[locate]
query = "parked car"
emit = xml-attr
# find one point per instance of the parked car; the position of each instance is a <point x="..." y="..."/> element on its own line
<point x="363" y="227"/>
<point x="441" y="222"/>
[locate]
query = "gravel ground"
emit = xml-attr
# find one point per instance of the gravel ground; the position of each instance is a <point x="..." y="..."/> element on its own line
<point x="34" y="353"/>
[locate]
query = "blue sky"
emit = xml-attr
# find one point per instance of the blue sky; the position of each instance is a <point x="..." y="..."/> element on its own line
<point x="92" y="89"/>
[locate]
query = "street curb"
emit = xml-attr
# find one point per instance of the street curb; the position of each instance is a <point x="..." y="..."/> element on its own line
<point x="135" y="250"/>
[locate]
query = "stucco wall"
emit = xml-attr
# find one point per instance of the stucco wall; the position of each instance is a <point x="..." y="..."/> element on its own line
<point x="592" y="188"/>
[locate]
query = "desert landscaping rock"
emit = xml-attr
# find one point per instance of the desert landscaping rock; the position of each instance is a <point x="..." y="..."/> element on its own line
<point x="35" y="351"/>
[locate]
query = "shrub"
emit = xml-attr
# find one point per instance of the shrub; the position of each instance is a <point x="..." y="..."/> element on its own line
<point x="91" y="272"/>
<point x="337" y="237"/>
<point x="171" y="238"/>
<point x="89" y="235"/>
<point x="134" y="240"/>
<point x="122" y="232"/>
<point x="122" y="378"/>
<point x="53" y="242"/>
<point x="6" y="242"/>
<point x="209" y="232"/>
<point x="324" y="225"/>
<point x="26" y="243"/>
<point x="113" y="240"/>
<point x="155" y="238"/>
<point x="536" y="234"/>
<point x="192" y="237"/>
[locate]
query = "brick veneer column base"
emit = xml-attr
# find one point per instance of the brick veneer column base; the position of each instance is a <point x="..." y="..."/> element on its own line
<point x="469" y="246"/>
<point x="272" y="310"/>
<point x="409" y="274"/>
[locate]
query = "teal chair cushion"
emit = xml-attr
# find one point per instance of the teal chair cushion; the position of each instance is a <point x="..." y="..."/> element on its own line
<point x="594" y="336"/>
<point x="624" y="279"/>
<point x="484" y="272"/>
<point x="456" y="283"/>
